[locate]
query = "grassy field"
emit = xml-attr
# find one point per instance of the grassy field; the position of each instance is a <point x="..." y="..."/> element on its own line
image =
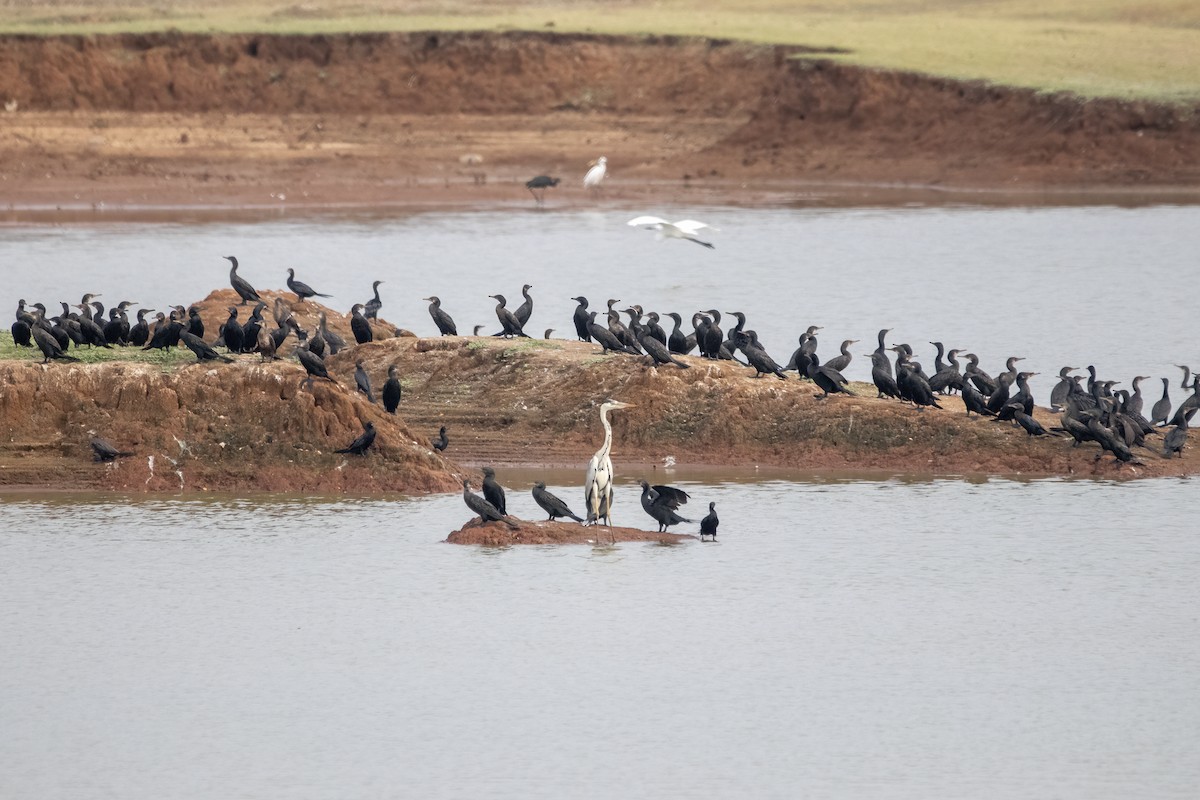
<point x="166" y="359"/>
<point x="1122" y="48"/>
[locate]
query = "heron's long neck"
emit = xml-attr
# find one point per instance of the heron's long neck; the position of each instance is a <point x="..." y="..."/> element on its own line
<point x="607" y="433"/>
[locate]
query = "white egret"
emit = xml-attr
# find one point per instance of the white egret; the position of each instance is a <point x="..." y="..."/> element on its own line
<point x="683" y="229"/>
<point x="596" y="173"/>
<point x="597" y="486"/>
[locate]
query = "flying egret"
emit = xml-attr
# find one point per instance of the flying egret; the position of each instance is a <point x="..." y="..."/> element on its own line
<point x="596" y="173"/>
<point x="683" y="229"/>
<point x="597" y="485"/>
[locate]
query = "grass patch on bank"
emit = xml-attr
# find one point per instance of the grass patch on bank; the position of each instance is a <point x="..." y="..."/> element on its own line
<point x="1117" y="48"/>
<point x="166" y="359"/>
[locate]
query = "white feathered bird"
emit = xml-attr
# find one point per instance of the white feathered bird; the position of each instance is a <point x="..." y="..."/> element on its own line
<point x="683" y="229"/>
<point x="597" y="486"/>
<point x="596" y="173"/>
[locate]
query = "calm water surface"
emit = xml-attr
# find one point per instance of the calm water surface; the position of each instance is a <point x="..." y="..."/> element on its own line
<point x="1069" y="285"/>
<point x="843" y="639"/>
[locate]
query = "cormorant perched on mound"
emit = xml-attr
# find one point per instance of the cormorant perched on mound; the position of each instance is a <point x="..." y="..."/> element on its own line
<point x="658" y="351"/>
<point x="139" y="334"/>
<point x="201" y="349"/>
<point x="372" y="306"/>
<point x="713" y="337"/>
<point x="93" y="334"/>
<point x="486" y="511"/>
<point x="973" y="400"/>
<point x="1176" y="439"/>
<point x="678" y="341"/>
<point x="22" y="329"/>
<point x="582" y="319"/>
<point x="303" y="290"/>
<point x="912" y="386"/>
<point x="49" y="346"/>
<point x="708" y="525"/>
<point x="1058" y="395"/>
<point x="442" y="441"/>
<point x="333" y="340"/>
<point x="266" y="347"/>
<point x="1031" y="425"/>
<point x="195" y="324"/>
<point x="551" y="504"/>
<point x="606" y="338"/>
<point x="827" y="379"/>
<point x="758" y="357"/>
<point x="363" y="443"/>
<point x="1162" y="409"/>
<point x="254" y="324"/>
<point x="840" y="362"/>
<point x="167" y="334"/>
<point x="105" y="451"/>
<point x="538" y="185"/>
<point x="240" y="284"/>
<point x="881" y="374"/>
<point x="313" y="364"/>
<point x="493" y="491"/>
<point x="363" y="381"/>
<point x="391" y="390"/>
<point x="660" y="503"/>
<point x="445" y="324"/>
<point x="359" y="325"/>
<point x="509" y="324"/>
<point x="525" y="310"/>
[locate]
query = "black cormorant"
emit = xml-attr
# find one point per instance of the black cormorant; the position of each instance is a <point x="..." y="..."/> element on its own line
<point x="605" y="338"/>
<point x="195" y="324"/>
<point x="551" y="504"/>
<point x="363" y="443"/>
<point x="359" y="325"/>
<point x="442" y="441"/>
<point x="441" y="319"/>
<point x="840" y="362"/>
<point x="486" y="511"/>
<point x="658" y="351"/>
<point x="49" y="346"/>
<point x="1162" y="409"/>
<point x="1176" y="439"/>
<point x="139" y="333"/>
<point x="167" y="334"/>
<point x="713" y="336"/>
<point x="881" y="375"/>
<point x="525" y="310"/>
<point x="240" y="284"/>
<point x="493" y="491"/>
<point x="581" y="319"/>
<point x="1135" y="402"/>
<point x="757" y="357"/>
<point x="827" y="378"/>
<point x="708" y="525"/>
<point x="372" y="306"/>
<point x="313" y="364"/>
<point x="104" y="450"/>
<point x="303" y="290"/>
<point x="363" y="381"/>
<point x="677" y="340"/>
<point x="391" y="390"/>
<point x="660" y="503"/>
<point x="201" y="349"/>
<point x="509" y="324"/>
<point x="1058" y="395"/>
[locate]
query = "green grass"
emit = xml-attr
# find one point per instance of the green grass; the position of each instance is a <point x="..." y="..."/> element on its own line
<point x="1121" y="48"/>
<point x="165" y="359"/>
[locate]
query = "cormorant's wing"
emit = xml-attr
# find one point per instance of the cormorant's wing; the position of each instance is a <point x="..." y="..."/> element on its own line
<point x="670" y="496"/>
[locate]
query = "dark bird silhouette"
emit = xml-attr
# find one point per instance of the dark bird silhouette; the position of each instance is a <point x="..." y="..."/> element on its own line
<point x="509" y="324"/>
<point x="827" y="379"/>
<point x="313" y="364"/>
<point x="445" y="324"/>
<point x="442" y="441"/>
<point x="363" y="443"/>
<point x="372" y="306"/>
<point x="1162" y="408"/>
<point x="266" y="347"/>
<point x="359" y="325"/>
<point x="139" y="333"/>
<point x="493" y="491"/>
<point x="167" y="334"/>
<point x="551" y="504"/>
<point x="303" y="290"/>
<point x="363" y="381"/>
<point x="1176" y="439"/>
<point x="486" y="511"/>
<point x="660" y="503"/>
<point x="881" y="375"/>
<point x="758" y="357"/>
<point x="1026" y="421"/>
<point x="525" y="310"/>
<point x="677" y="341"/>
<point x="1058" y="395"/>
<point x="201" y="349"/>
<point x="104" y="450"/>
<point x="240" y="284"/>
<point x="658" y="351"/>
<point x="582" y="319"/>
<point x="841" y="361"/>
<point x="538" y="185"/>
<point x="606" y="338"/>
<point x="708" y="525"/>
<point x="195" y="324"/>
<point x="973" y="400"/>
<point x="391" y="390"/>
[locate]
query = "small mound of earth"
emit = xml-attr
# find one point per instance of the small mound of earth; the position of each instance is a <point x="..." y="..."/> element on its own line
<point x="497" y="534"/>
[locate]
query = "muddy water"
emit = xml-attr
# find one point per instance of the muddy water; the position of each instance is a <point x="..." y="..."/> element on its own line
<point x="843" y="639"/>
<point x="1060" y="286"/>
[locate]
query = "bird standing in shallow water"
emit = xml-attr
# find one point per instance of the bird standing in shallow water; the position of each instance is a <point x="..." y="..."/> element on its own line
<point x="708" y="525"/>
<point x="660" y="502"/>
<point x="538" y="186"/>
<point x="596" y="173"/>
<point x="597" y="485"/>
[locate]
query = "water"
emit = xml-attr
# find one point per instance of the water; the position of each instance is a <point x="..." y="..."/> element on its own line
<point x="1060" y="286"/>
<point x="843" y="639"/>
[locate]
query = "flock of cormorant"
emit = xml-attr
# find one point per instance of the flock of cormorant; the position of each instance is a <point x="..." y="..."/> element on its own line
<point x="1090" y="413"/>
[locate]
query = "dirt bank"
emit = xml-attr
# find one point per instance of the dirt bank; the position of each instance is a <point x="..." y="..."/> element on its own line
<point x="497" y="534"/>
<point x="467" y="117"/>
<point x="530" y="402"/>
